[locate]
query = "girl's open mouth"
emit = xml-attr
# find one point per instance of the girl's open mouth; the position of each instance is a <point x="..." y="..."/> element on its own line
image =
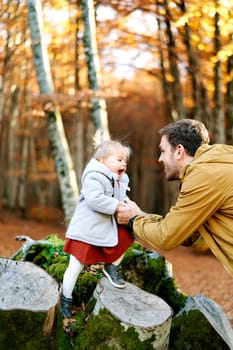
<point x="121" y="171"/>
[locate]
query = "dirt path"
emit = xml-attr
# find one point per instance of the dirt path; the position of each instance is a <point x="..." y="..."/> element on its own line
<point x="194" y="274"/>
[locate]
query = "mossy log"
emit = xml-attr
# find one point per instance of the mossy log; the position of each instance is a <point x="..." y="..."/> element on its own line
<point x="28" y="300"/>
<point x="201" y="324"/>
<point x="25" y="286"/>
<point x="190" y="328"/>
<point x="149" y="315"/>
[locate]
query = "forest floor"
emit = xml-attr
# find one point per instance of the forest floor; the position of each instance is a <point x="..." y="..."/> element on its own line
<point x="194" y="273"/>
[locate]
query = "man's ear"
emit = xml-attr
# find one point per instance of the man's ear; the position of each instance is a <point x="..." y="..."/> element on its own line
<point x="179" y="151"/>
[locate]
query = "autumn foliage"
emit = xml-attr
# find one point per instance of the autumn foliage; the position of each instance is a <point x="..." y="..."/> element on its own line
<point x="160" y="61"/>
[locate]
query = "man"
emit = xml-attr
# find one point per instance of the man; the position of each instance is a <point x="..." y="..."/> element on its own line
<point x="205" y="203"/>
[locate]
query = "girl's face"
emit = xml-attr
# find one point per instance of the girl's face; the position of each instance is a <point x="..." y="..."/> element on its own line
<point x="116" y="161"/>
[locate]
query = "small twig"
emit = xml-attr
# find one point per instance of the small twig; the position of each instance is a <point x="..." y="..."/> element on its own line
<point x="29" y="243"/>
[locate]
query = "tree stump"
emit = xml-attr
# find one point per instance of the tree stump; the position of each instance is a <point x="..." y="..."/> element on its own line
<point x="213" y="326"/>
<point x="28" y="299"/>
<point x="149" y="315"/>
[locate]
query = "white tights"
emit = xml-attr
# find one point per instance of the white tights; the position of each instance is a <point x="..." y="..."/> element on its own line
<point x="71" y="274"/>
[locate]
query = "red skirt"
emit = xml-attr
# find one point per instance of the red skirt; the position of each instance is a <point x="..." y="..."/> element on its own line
<point x="90" y="254"/>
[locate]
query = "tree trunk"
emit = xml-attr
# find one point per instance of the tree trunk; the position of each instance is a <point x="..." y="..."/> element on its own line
<point x="148" y="314"/>
<point x="98" y="109"/>
<point x="60" y="149"/>
<point x="13" y="149"/>
<point x="25" y="286"/>
<point x="229" y="100"/>
<point x="29" y="314"/>
<point x="166" y="87"/>
<point x="193" y="71"/>
<point x="29" y="297"/>
<point x="218" y="97"/>
<point x="206" y="110"/>
<point x="23" y="170"/>
<point x="192" y="68"/>
<point x="63" y="161"/>
<point x="174" y="71"/>
<point x="5" y="62"/>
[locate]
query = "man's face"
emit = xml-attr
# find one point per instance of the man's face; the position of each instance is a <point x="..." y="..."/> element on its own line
<point x="168" y="158"/>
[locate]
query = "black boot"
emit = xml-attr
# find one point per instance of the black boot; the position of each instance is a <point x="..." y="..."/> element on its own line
<point x="66" y="307"/>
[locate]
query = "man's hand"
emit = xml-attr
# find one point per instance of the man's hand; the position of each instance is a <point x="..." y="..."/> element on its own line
<point x="126" y="210"/>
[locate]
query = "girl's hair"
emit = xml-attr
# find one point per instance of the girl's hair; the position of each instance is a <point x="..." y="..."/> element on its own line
<point x="188" y="132"/>
<point x="104" y="148"/>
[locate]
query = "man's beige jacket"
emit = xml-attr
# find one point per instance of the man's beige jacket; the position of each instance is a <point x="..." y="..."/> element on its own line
<point x="204" y="206"/>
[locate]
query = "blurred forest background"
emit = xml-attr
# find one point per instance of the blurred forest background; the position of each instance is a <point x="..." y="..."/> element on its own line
<point x="74" y="70"/>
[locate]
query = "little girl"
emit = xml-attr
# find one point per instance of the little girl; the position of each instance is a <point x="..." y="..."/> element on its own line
<point x="93" y="235"/>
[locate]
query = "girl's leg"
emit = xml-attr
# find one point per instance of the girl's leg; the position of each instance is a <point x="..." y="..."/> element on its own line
<point x="70" y="277"/>
<point x="118" y="261"/>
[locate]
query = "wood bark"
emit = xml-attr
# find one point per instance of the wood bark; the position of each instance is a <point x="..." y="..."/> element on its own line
<point x="26" y="287"/>
<point x="192" y="68"/>
<point x="60" y="148"/>
<point x="193" y="71"/>
<point x="148" y="314"/>
<point x="28" y="306"/>
<point x="229" y="100"/>
<point x="98" y="104"/>
<point x="206" y="110"/>
<point x="166" y="87"/>
<point x="218" y="97"/>
<point x="13" y="149"/>
<point x="174" y="70"/>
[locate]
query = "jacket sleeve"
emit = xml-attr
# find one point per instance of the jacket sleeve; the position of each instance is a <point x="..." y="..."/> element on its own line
<point x="98" y="193"/>
<point x="198" y="200"/>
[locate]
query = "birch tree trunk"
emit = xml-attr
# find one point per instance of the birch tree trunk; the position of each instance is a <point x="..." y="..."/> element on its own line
<point x="98" y="109"/>
<point x="59" y="145"/>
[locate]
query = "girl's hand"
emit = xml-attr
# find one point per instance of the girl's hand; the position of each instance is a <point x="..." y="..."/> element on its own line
<point x="126" y="210"/>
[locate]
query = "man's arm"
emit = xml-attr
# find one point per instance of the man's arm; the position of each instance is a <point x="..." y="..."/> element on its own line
<point x="197" y="201"/>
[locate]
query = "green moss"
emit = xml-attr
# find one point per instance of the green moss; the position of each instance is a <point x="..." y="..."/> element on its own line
<point x="18" y="256"/>
<point x="90" y="305"/>
<point x="58" y="267"/>
<point x="142" y="267"/>
<point x="55" y="240"/>
<point x="50" y="256"/>
<point x="22" y="330"/>
<point x="104" y="332"/>
<point x="60" y="340"/>
<point x="148" y="271"/>
<point x="84" y="287"/>
<point x="168" y="291"/>
<point x="191" y="330"/>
